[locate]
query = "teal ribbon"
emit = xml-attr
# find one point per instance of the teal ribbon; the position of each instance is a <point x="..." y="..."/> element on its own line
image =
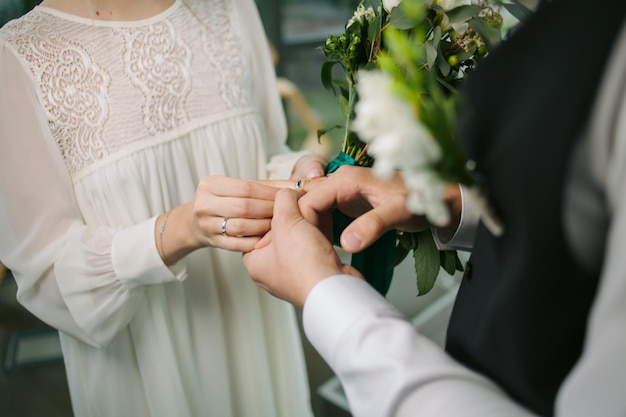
<point x="376" y="262"/>
<point x="341" y="159"/>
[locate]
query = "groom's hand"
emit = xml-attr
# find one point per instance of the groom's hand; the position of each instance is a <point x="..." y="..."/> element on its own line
<point x="377" y="206"/>
<point x="294" y="256"/>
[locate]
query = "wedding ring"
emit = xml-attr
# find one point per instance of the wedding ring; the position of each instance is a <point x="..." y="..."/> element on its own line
<point x="224" y="226"/>
<point x="298" y="184"/>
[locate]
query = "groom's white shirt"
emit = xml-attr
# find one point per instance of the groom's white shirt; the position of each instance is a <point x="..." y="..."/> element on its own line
<point x="388" y="369"/>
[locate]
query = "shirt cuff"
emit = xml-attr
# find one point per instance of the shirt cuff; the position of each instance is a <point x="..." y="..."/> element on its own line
<point x="139" y="264"/>
<point x="333" y="305"/>
<point x="463" y="238"/>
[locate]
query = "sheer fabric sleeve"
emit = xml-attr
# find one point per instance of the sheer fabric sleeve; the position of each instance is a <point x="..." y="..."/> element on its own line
<point x="265" y="91"/>
<point x="83" y="280"/>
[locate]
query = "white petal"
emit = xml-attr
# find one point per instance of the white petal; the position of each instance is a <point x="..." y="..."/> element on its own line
<point x="390" y="4"/>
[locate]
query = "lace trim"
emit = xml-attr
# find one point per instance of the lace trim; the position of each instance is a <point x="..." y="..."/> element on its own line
<point x="73" y="88"/>
<point x="228" y="65"/>
<point x="98" y="103"/>
<point x="158" y="63"/>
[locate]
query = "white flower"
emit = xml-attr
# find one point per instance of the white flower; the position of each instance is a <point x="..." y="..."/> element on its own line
<point x="452" y="4"/>
<point x="390" y="4"/>
<point x="378" y="111"/>
<point x="398" y="141"/>
<point x="362" y="14"/>
<point x="426" y="195"/>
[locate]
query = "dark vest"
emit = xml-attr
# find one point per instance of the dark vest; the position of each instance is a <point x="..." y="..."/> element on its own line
<point x="522" y="307"/>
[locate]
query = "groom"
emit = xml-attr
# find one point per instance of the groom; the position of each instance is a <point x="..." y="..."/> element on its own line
<point x="538" y="326"/>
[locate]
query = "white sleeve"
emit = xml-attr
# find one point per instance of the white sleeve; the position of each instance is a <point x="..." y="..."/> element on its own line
<point x="265" y="88"/>
<point x="281" y="158"/>
<point x="388" y="369"/>
<point x="463" y="238"/>
<point x="83" y="280"/>
<point x="596" y="384"/>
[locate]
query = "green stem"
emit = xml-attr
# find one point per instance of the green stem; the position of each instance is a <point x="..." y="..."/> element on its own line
<point x="351" y="99"/>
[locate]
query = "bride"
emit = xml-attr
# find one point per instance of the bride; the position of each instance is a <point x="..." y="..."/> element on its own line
<point x="129" y="130"/>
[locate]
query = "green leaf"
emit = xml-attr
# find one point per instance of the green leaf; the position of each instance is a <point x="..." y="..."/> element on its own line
<point x="322" y="132"/>
<point x="490" y="35"/>
<point x="407" y="240"/>
<point x="518" y="10"/>
<point x="399" y="20"/>
<point x="373" y="30"/>
<point x="436" y="36"/>
<point x="344" y="107"/>
<point x="443" y="65"/>
<point x="343" y="89"/>
<point x="407" y="16"/>
<point x="401" y="253"/>
<point x="427" y="262"/>
<point x="431" y="54"/>
<point x="327" y="76"/>
<point x="448" y="261"/>
<point x="464" y="55"/>
<point x="463" y="13"/>
<point x="459" y="266"/>
<point x="355" y="28"/>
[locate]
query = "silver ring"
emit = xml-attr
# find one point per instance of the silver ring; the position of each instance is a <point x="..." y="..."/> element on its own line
<point x="298" y="184"/>
<point x="224" y="226"/>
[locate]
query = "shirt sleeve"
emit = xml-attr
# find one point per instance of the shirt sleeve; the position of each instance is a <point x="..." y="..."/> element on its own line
<point x="81" y="279"/>
<point x="385" y="366"/>
<point x="463" y="238"/>
<point x="596" y="382"/>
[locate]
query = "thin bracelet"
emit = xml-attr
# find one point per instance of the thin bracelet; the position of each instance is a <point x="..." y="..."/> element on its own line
<point x="161" y="230"/>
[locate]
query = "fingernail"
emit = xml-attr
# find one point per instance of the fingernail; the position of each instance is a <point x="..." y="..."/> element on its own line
<point x="351" y="241"/>
<point x="315" y="173"/>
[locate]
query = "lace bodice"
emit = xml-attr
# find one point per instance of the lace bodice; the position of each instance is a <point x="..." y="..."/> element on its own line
<point x="131" y="83"/>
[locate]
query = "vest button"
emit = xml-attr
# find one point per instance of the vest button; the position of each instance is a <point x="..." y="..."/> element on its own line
<point x="469" y="270"/>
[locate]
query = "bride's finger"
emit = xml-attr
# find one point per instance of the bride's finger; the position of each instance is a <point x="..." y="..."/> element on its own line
<point x="278" y="184"/>
<point x="238" y="227"/>
<point x="232" y="187"/>
<point x="265" y="241"/>
<point x="298" y="184"/>
<point x="239" y="244"/>
<point x="208" y="206"/>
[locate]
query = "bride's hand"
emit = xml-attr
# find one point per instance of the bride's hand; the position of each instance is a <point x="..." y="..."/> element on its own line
<point x="309" y="166"/>
<point x="231" y="213"/>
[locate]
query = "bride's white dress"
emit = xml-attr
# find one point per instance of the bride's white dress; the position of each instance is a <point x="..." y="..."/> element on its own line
<point x="103" y="126"/>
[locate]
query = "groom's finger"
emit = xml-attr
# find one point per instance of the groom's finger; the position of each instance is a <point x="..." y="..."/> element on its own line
<point x="320" y="199"/>
<point x="367" y="228"/>
<point x="286" y="206"/>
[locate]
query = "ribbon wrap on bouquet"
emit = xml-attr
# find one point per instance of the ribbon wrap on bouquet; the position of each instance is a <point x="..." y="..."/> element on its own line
<point x="376" y="262"/>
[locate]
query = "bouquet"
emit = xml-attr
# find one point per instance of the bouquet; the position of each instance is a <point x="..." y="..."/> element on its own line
<point x="402" y="63"/>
